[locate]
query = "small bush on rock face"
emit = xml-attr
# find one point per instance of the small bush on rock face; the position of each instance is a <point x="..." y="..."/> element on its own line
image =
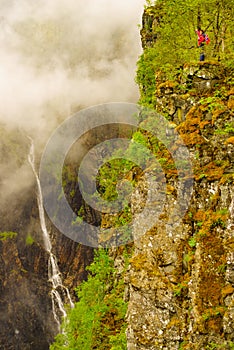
<point x="29" y="240"/>
<point x="7" y="235"/>
<point x="192" y="242"/>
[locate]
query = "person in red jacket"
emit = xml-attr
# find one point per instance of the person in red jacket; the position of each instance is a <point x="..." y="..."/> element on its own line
<point x="202" y="39"/>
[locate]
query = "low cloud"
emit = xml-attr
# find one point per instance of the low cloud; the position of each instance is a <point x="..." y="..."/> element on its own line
<point x="59" y="56"/>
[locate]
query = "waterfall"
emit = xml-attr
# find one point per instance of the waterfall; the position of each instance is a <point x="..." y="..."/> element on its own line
<point x="58" y="292"/>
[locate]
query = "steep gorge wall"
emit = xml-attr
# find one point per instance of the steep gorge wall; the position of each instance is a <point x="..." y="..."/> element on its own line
<point x="181" y="276"/>
<point x="26" y="318"/>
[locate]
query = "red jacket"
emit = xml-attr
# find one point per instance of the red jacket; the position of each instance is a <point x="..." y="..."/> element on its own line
<point x="202" y="38"/>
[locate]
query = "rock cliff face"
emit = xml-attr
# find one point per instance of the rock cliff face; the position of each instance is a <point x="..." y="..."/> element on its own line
<point x="26" y="318"/>
<point x="181" y="276"/>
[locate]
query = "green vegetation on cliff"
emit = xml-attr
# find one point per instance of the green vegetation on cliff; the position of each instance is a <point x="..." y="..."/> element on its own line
<point x="169" y="38"/>
<point x="197" y="98"/>
<point x="7" y="235"/>
<point x="171" y="26"/>
<point x="97" y="320"/>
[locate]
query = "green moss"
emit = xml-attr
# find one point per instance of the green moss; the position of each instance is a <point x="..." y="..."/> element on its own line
<point x="7" y="235"/>
<point x="29" y="239"/>
<point x="228" y="128"/>
<point x="213" y="312"/>
<point x="213" y="346"/>
<point x="181" y="288"/>
<point x="192" y="242"/>
<point x="183" y="345"/>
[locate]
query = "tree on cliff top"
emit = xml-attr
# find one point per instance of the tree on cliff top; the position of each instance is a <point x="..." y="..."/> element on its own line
<point x="175" y="26"/>
<point x="169" y="39"/>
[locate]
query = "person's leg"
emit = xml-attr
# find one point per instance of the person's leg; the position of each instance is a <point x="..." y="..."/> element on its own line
<point x="202" y="53"/>
<point x="202" y="56"/>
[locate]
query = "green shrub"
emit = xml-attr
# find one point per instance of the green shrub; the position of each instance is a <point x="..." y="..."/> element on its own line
<point x="7" y="235"/>
<point x="97" y="320"/>
<point x="29" y="239"/>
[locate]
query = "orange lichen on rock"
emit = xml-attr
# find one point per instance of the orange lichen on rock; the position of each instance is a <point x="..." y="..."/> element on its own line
<point x="230" y="140"/>
<point x="218" y="112"/>
<point x="230" y="103"/>
<point x="190" y="129"/>
<point x="227" y="290"/>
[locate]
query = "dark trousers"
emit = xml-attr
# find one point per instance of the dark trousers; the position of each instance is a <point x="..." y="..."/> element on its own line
<point x="202" y="54"/>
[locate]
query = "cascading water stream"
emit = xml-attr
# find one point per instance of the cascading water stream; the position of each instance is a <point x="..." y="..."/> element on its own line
<point x="59" y="292"/>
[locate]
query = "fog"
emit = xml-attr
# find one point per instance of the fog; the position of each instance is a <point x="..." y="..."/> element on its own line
<point x="56" y="57"/>
<point x="59" y="56"/>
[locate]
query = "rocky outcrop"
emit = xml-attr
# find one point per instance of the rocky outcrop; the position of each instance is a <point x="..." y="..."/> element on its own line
<point x="151" y="19"/>
<point x="180" y="278"/>
<point x="25" y="300"/>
